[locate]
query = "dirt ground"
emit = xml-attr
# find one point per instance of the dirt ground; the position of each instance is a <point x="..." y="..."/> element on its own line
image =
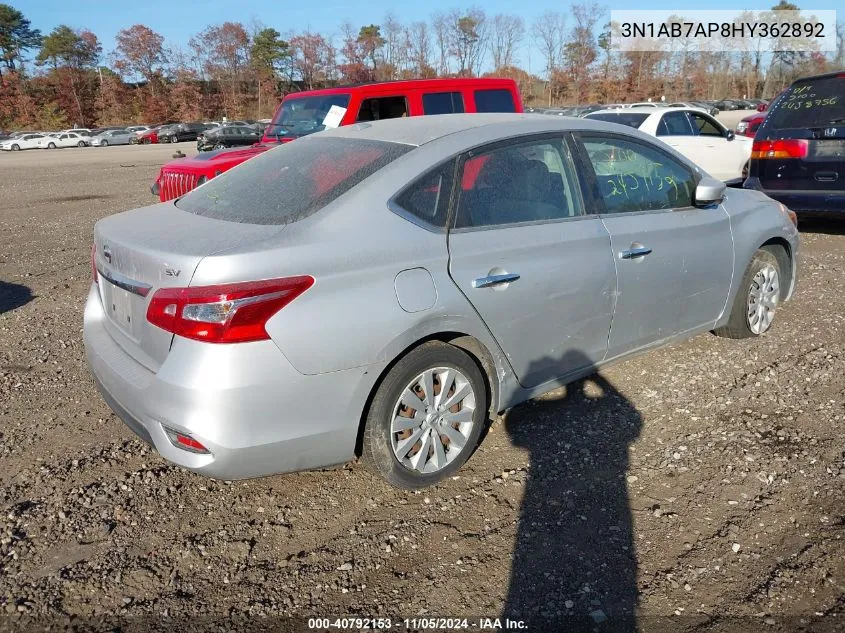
<point x="700" y="487"/>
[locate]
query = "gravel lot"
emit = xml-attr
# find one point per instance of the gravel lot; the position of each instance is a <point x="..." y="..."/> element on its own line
<point x="699" y="488"/>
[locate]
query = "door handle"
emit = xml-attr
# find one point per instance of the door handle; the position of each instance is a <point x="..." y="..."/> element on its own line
<point x="494" y="280"/>
<point x="635" y="252"/>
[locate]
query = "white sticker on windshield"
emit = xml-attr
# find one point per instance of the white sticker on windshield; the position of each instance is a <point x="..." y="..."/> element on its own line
<point x="334" y="117"/>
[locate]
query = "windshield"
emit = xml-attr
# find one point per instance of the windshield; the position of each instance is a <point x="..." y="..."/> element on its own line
<point x="632" y="119"/>
<point x="290" y="182"/>
<point x="299" y="116"/>
<point x="810" y="104"/>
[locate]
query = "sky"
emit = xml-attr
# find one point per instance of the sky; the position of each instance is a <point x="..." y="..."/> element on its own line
<point x="178" y="20"/>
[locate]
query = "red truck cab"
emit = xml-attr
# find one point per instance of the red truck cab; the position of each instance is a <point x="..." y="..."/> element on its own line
<point x="303" y="113"/>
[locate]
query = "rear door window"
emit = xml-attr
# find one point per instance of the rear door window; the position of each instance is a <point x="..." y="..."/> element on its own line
<point x="494" y="101"/>
<point x="290" y="182"/>
<point x="815" y="103"/>
<point x="377" y="108"/>
<point x="443" y="102"/>
<point x="675" y="124"/>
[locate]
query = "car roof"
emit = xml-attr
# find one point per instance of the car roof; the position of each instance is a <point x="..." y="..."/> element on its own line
<point x="425" y="129"/>
<point x="401" y="85"/>
<point x="647" y="110"/>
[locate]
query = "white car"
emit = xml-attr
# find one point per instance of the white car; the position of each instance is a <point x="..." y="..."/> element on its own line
<point x="65" y="139"/>
<point x="82" y="131"/>
<point x="27" y="141"/>
<point x="693" y="133"/>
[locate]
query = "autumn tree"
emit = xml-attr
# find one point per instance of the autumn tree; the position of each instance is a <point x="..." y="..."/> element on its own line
<point x="312" y="58"/>
<point x="140" y="52"/>
<point x="224" y="54"/>
<point x="580" y="51"/>
<point x="16" y="36"/>
<point x="420" y="49"/>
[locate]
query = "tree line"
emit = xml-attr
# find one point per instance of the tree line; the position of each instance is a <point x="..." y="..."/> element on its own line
<point x="63" y="78"/>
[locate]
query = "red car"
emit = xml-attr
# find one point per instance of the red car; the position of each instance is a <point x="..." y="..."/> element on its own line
<point x="307" y="112"/>
<point x="150" y="136"/>
<point x="748" y="126"/>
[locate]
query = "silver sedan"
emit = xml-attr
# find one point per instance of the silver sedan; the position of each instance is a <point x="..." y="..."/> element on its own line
<point x="380" y="290"/>
<point x="112" y="137"/>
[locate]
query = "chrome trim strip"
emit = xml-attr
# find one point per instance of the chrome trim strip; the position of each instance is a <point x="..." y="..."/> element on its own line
<point x="121" y="281"/>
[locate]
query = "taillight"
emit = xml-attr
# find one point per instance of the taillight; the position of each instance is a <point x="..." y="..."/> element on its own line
<point x="781" y="148"/>
<point x="228" y="313"/>
<point x="94" y="275"/>
<point x="184" y="441"/>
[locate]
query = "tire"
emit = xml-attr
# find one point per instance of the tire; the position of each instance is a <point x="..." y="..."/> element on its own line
<point x="219" y="146"/>
<point x="760" y="287"/>
<point x="104" y="143"/>
<point x="744" y="172"/>
<point x="147" y="141"/>
<point x="16" y="148"/>
<point x="51" y="146"/>
<point x="81" y="144"/>
<point x="422" y="464"/>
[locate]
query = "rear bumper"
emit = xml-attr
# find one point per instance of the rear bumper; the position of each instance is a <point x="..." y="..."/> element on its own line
<point x="254" y="412"/>
<point x="804" y="202"/>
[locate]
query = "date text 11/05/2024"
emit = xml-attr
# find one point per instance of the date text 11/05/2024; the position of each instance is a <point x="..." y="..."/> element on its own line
<point x="416" y="624"/>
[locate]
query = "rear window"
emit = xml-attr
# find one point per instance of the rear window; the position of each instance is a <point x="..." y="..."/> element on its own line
<point x="631" y="119"/>
<point x="443" y="102"/>
<point x="810" y="104"/>
<point x="290" y="182"/>
<point x="494" y="101"/>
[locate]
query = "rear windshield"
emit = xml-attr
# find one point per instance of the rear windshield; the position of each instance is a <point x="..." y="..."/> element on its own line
<point x="290" y="182"/>
<point x="632" y="119"/>
<point x="810" y="104"/>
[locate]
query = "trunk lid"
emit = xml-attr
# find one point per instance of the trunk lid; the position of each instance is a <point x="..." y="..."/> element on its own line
<point x="812" y="112"/>
<point x="141" y="251"/>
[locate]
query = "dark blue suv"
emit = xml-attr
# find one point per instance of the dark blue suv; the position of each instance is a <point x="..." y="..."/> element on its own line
<point x="798" y="157"/>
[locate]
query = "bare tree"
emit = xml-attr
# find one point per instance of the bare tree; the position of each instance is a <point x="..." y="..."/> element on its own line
<point x="548" y="32"/>
<point x="419" y="39"/>
<point x="441" y="36"/>
<point x="507" y="32"/>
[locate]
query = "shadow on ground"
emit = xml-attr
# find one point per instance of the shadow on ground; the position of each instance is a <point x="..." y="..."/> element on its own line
<point x="13" y="296"/>
<point x="574" y="563"/>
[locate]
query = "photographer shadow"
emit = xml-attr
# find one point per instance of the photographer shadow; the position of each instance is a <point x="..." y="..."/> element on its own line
<point x="574" y="564"/>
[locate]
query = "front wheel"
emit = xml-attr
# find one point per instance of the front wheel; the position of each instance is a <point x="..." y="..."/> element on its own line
<point x="16" y="147"/>
<point x="757" y="299"/>
<point x="81" y="144"/>
<point x="51" y="146"/>
<point x="426" y="416"/>
<point x="104" y="143"/>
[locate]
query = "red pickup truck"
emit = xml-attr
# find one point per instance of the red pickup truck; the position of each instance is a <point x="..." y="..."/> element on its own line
<point x="306" y="112"/>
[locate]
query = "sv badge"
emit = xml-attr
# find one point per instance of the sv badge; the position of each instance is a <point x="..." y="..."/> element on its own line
<point x="172" y="272"/>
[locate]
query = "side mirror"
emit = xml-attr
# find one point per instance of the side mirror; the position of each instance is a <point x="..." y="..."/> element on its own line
<point x="709" y="191"/>
<point x="730" y="135"/>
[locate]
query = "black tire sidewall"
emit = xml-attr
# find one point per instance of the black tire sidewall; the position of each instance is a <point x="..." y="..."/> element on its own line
<point x="738" y="326"/>
<point x="377" y="449"/>
<point x="104" y="143"/>
<point x="51" y="146"/>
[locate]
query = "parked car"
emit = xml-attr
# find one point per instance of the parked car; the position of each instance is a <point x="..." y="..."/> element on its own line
<point x="149" y="136"/>
<point x="81" y="131"/>
<point x="113" y="137"/>
<point x="138" y="128"/>
<point x="303" y="113"/>
<point x="218" y="321"/>
<point x="798" y="155"/>
<point x="181" y="132"/>
<point x="749" y="125"/>
<point x="25" y="141"/>
<point x="692" y="132"/>
<point x="698" y="106"/>
<point x="728" y="105"/>
<point x="227" y="136"/>
<point x="64" y="139"/>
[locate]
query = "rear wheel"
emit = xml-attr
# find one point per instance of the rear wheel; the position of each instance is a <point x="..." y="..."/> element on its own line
<point x="757" y="299"/>
<point x="745" y="170"/>
<point x="426" y="416"/>
<point x="104" y="143"/>
<point x="51" y="146"/>
<point x="147" y="141"/>
<point x="219" y="146"/>
<point x="81" y="144"/>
